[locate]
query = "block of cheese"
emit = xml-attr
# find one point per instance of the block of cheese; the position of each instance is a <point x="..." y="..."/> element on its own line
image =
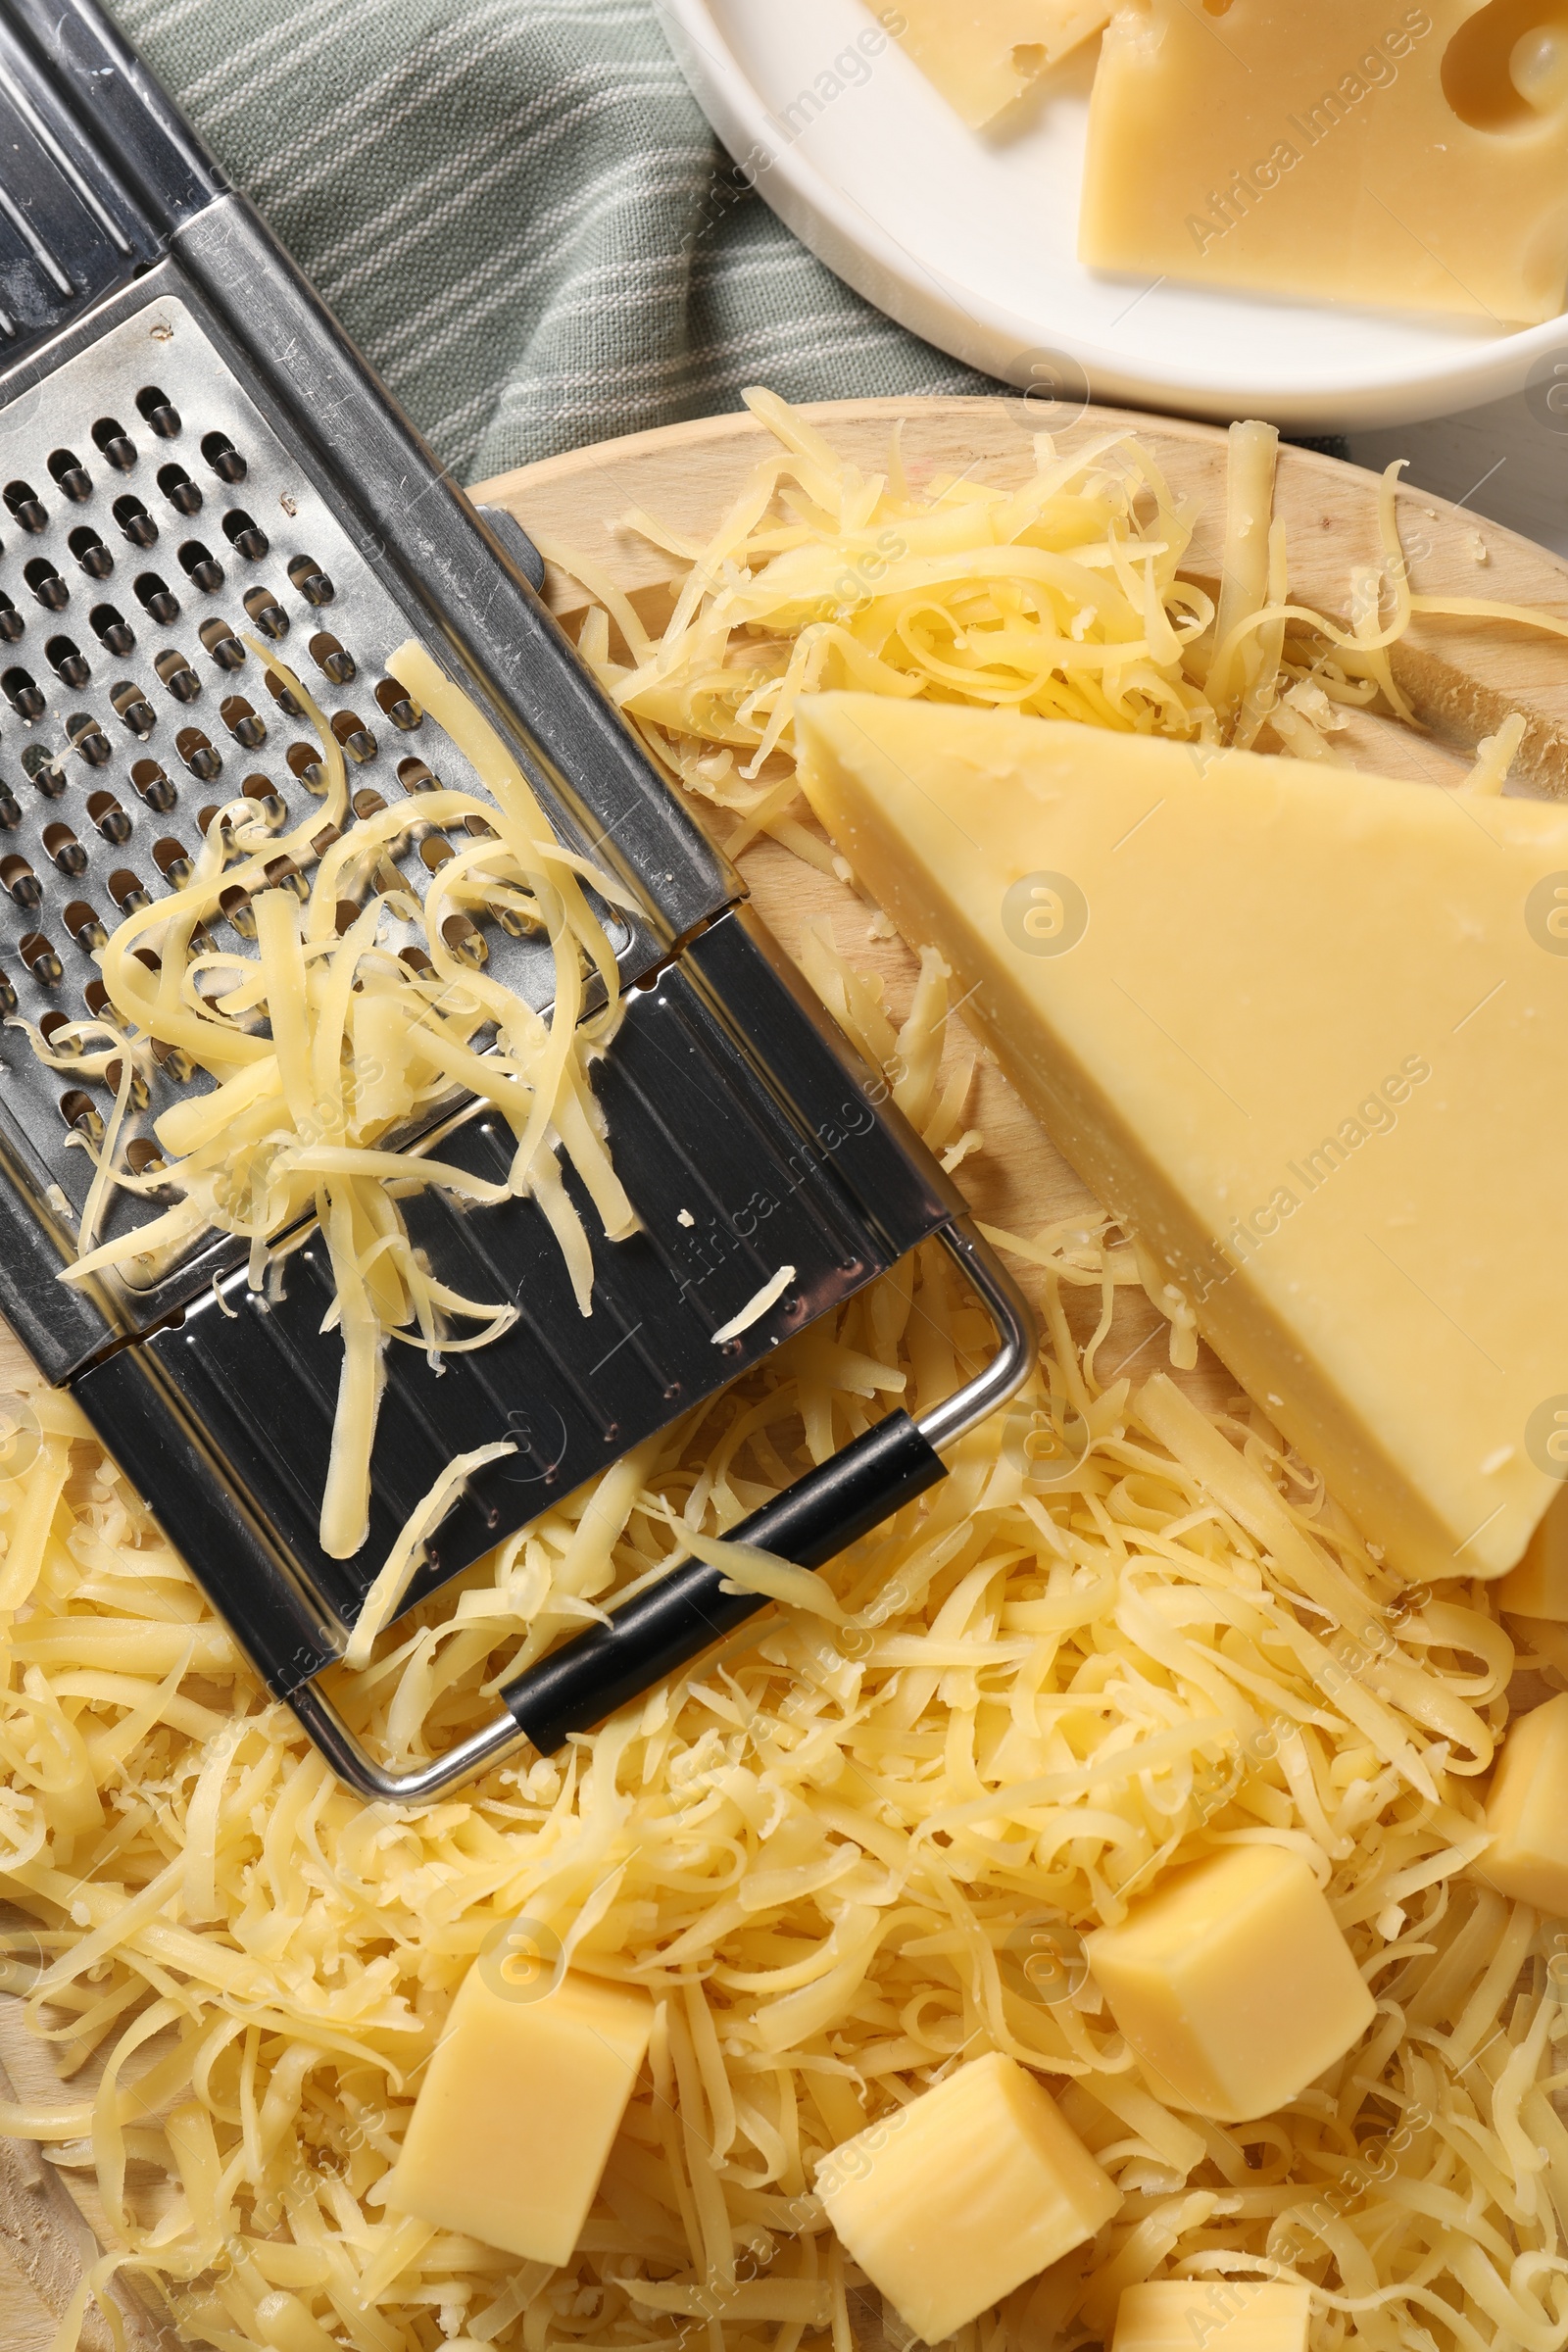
<point x="973" y="2188"/>
<point x="1416" y="159"/>
<point x="1527" y="1811"/>
<point x="1233" y="1982"/>
<point x="513" y="2124"/>
<point x="1213" y="2315"/>
<point x="1538" y="1586"/>
<point x="1298" y="1028"/>
<point x="982" y="54"/>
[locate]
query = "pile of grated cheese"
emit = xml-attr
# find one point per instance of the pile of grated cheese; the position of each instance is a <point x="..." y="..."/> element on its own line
<point x="1062" y="599"/>
<point x="364" y="1008"/>
<point x="1123" y="1633"/>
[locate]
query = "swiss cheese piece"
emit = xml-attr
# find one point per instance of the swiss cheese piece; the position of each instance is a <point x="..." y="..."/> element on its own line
<point x="963" y="2194"/>
<point x="1417" y="156"/>
<point x="982" y="54"/>
<point x="513" y="2125"/>
<point x="1527" y="1811"/>
<point x="1294" y="1026"/>
<point x="1213" y="2315"/>
<point x="1234" y="1982"/>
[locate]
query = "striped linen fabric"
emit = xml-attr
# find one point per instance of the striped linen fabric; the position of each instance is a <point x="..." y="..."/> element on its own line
<point x="519" y="212"/>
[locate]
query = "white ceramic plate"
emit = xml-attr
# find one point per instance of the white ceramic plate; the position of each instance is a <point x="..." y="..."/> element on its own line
<point x="969" y="239"/>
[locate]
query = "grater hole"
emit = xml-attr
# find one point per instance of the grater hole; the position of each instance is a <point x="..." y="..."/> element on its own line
<point x="480" y="827"/>
<point x="113" y="442"/>
<point x="152" y="593"/>
<point x="112" y="630"/>
<point x="283" y="874"/>
<point x="20" y="693"/>
<point x="435" y="851"/>
<point x="96" y="998"/>
<point x="329" y="655"/>
<point x="310" y="581"/>
<point x="399" y="705"/>
<point x="236" y="906"/>
<point x="23" y="501"/>
<point x="242" y="722"/>
<point x="221" y="643"/>
<point x="83" y="921"/>
<point x="19" y="879"/>
<point x="70" y="476"/>
<point x="158" y="412"/>
<point x="10" y="808"/>
<point x="345" y="914"/>
<point x="268" y="614"/>
<point x="109" y="816"/>
<point x="465" y="941"/>
<point x="154" y="787"/>
<point x="78" y="1111"/>
<point x="198" y="754"/>
<point x="245" y="536"/>
<point x="44" y="769"/>
<point x="61" y="844"/>
<point x="200" y="565"/>
<point x="88" y="737"/>
<point x="46" y="584"/>
<point x="368" y="804"/>
<point x="50" y="1024"/>
<point x="143" y="1158"/>
<point x="64" y="657"/>
<point x="415" y="776"/>
<point x="267" y="797"/>
<point x="288" y="700"/>
<point x="182" y="494"/>
<point x="126" y="889"/>
<point x="8" y="998"/>
<point x="173" y="861"/>
<point x="131" y="705"/>
<point x="177" y="674"/>
<point x="353" y="735"/>
<point x="135" y="523"/>
<point x="40" y="959"/>
<point x="304" y="762"/>
<point x="12" y="623"/>
<point x="223" y="457"/>
<point x="90" y="552"/>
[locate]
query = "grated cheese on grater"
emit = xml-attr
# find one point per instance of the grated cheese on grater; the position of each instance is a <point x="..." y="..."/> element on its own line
<point x="376" y="1010"/>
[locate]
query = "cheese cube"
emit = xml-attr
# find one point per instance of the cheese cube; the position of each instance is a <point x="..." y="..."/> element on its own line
<point x="513" y="2124"/>
<point x="1538" y="1586"/>
<point x="1233" y="1982"/>
<point x="982" y="54"/>
<point x="1212" y="2315"/>
<point x="963" y="2194"/>
<point x="1527" y="1811"/>
<point x="1316" y="1106"/>
<point x="1417" y="159"/>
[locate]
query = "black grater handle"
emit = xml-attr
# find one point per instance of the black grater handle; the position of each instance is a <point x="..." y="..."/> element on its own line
<point x="821" y="1515"/>
<point x="689" y="1609"/>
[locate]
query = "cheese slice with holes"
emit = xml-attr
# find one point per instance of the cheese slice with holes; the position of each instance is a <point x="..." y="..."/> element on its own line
<point x="1303" y="1031"/>
<point x="1408" y="157"/>
<point x="982" y="54"/>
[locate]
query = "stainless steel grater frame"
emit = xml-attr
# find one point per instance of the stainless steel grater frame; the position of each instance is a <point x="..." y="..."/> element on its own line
<point x="189" y="449"/>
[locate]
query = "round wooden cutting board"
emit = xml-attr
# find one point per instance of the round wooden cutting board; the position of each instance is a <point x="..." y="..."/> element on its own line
<point x="1462" y="678"/>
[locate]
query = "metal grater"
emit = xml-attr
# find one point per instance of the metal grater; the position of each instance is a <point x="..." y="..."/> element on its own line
<point x="190" y="449"/>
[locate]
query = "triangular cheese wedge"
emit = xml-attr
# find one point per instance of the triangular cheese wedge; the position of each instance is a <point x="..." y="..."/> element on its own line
<point x="1306" y="1032"/>
<point x="982" y="54"/>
